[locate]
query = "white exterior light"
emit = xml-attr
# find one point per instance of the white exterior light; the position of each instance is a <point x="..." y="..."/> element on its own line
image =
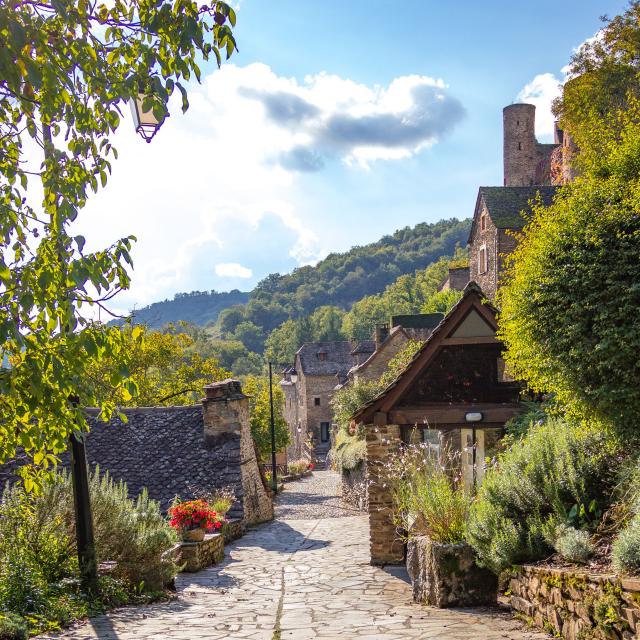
<point x="474" y="416"/>
<point x="145" y="123"/>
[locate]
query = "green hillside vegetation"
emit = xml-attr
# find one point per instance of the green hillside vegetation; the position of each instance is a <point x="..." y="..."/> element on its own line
<point x="198" y="307"/>
<point x="341" y="298"/>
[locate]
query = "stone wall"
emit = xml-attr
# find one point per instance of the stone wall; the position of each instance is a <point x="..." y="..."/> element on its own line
<point x="577" y="605"/>
<point x="226" y="411"/>
<point x="355" y="487"/>
<point x="487" y="238"/>
<point x="386" y="547"/>
<point x="318" y="387"/>
<point x="196" y="556"/>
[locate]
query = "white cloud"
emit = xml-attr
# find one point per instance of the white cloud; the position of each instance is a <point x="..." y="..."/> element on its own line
<point x="542" y="91"/>
<point x="545" y="88"/>
<point x="221" y="182"/>
<point x="232" y="270"/>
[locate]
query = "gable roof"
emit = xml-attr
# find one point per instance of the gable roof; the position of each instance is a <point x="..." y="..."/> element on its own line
<point x="390" y="339"/>
<point x="506" y="204"/>
<point x="162" y="449"/>
<point x="337" y="361"/>
<point x="472" y="299"/>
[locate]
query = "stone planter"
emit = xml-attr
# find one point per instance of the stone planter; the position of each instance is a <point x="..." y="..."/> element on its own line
<point x="195" y="556"/>
<point x="232" y="530"/>
<point x="193" y="535"/>
<point x="446" y="575"/>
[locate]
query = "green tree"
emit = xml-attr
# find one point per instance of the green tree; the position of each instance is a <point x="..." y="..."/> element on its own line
<point x="65" y="70"/>
<point x="250" y="335"/>
<point x="326" y="324"/>
<point x="569" y="308"/>
<point x="257" y="388"/>
<point x="163" y="368"/>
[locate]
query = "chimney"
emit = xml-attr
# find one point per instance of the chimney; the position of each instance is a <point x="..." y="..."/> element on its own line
<point x="224" y="409"/>
<point x="382" y="333"/>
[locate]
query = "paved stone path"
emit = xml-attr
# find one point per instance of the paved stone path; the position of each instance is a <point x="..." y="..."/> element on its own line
<point x="306" y="575"/>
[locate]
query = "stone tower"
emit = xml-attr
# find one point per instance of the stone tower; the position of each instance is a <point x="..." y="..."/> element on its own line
<point x="521" y="153"/>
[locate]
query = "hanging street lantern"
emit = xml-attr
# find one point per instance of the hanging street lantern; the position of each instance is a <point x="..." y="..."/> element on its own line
<point x="145" y="122"/>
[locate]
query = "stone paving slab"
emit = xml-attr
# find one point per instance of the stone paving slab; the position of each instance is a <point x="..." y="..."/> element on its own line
<point x="300" y="579"/>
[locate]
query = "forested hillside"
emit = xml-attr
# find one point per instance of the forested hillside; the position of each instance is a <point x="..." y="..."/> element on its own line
<point x="342" y="297"/>
<point x="197" y="307"/>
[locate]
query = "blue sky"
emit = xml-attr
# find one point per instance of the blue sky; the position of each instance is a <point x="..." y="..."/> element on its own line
<point x="337" y="122"/>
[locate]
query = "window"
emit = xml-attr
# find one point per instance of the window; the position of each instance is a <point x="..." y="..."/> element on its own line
<point x="322" y="355"/>
<point x="432" y="440"/>
<point x="483" y="222"/>
<point x="482" y="260"/>
<point x="519" y="146"/>
<point x="324" y="432"/>
<point x="316" y="402"/>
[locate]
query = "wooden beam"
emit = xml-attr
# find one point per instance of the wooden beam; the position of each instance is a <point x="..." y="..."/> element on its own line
<point x="380" y="419"/>
<point x="453" y="415"/>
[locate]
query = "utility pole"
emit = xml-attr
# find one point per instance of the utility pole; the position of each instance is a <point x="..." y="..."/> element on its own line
<point x="79" y="475"/>
<point x="274" y="472"/>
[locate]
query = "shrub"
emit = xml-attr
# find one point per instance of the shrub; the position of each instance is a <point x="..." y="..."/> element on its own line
<point x="298" y="467"/>
<point x="12" y="627"/>
<point x="349" y="452"/>
<point x="426" y="498"/>
<point x="559" y="472"/>
<point x="573" y="545"/>
<point x="626" y="549"/>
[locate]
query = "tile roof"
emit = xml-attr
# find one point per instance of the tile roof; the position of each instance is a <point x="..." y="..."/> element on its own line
<point x="506" y="204"/>
<point x="337" y="361"/>
<point x="162" y="449"/>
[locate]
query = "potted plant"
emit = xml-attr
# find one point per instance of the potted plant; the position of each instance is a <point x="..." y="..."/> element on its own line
<point x="192" y="518"/>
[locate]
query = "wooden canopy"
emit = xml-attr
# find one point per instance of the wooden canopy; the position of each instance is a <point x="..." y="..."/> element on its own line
<point x="457" y="371"/>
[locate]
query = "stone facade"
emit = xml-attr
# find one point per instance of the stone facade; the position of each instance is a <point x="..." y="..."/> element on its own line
<point x="386" y="547"/>
<point x="577" y="605"/>
<point x="526" y="161"/>
<point x="456" y="279"/>
<point x="446" y="575"/>
<point x="196" y="556"/>
<point x="226" y="411"/>
<point x="319" y="368"/>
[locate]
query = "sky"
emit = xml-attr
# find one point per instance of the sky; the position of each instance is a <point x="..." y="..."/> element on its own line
<point x="339" y="121"/>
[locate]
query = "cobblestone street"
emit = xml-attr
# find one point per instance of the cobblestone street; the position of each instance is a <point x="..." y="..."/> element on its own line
<point x="306" y="575"/>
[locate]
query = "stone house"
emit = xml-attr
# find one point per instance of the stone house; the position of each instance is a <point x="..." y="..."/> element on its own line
<point x="176" y="451"/>
<point x="308" y="388"/>
<point x="500" y="212"/>
<point x="530" y="172"/>
<point x="390" y="340"/>
<point x="455" y="391"/>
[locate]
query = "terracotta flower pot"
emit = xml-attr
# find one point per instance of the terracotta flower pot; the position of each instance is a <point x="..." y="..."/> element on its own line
<point x="193" y="535"/>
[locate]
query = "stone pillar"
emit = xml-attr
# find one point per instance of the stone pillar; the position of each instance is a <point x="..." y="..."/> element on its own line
<point x="226" y="415"/>
<point x="383" y="441"/>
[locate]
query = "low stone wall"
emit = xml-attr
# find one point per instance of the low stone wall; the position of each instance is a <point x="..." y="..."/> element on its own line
<point x="446" y="575"/>
<point x="196" y="556"/>
<point x="232" y="530"/>
<point x="355" y="491"/>
<point x="577" y="605"/>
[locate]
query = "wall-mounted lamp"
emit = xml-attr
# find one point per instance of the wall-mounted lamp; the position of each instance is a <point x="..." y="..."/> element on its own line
<point x="473" y="416"/>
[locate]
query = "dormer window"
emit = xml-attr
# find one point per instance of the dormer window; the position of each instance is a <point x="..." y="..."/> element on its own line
<point x="322" y="355"/>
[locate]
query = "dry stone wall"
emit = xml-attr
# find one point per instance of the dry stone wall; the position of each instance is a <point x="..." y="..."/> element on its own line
<point x="577" y="605"/>
<point x="355" y="487"/>
<point x="196" y="556"/>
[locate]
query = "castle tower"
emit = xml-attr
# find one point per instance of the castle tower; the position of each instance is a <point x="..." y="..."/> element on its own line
<point x="520" y="145"/>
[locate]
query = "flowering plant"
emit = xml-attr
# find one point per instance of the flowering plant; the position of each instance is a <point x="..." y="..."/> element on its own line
<point x="311" y="466"/>
<point x="194" y="514"/>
